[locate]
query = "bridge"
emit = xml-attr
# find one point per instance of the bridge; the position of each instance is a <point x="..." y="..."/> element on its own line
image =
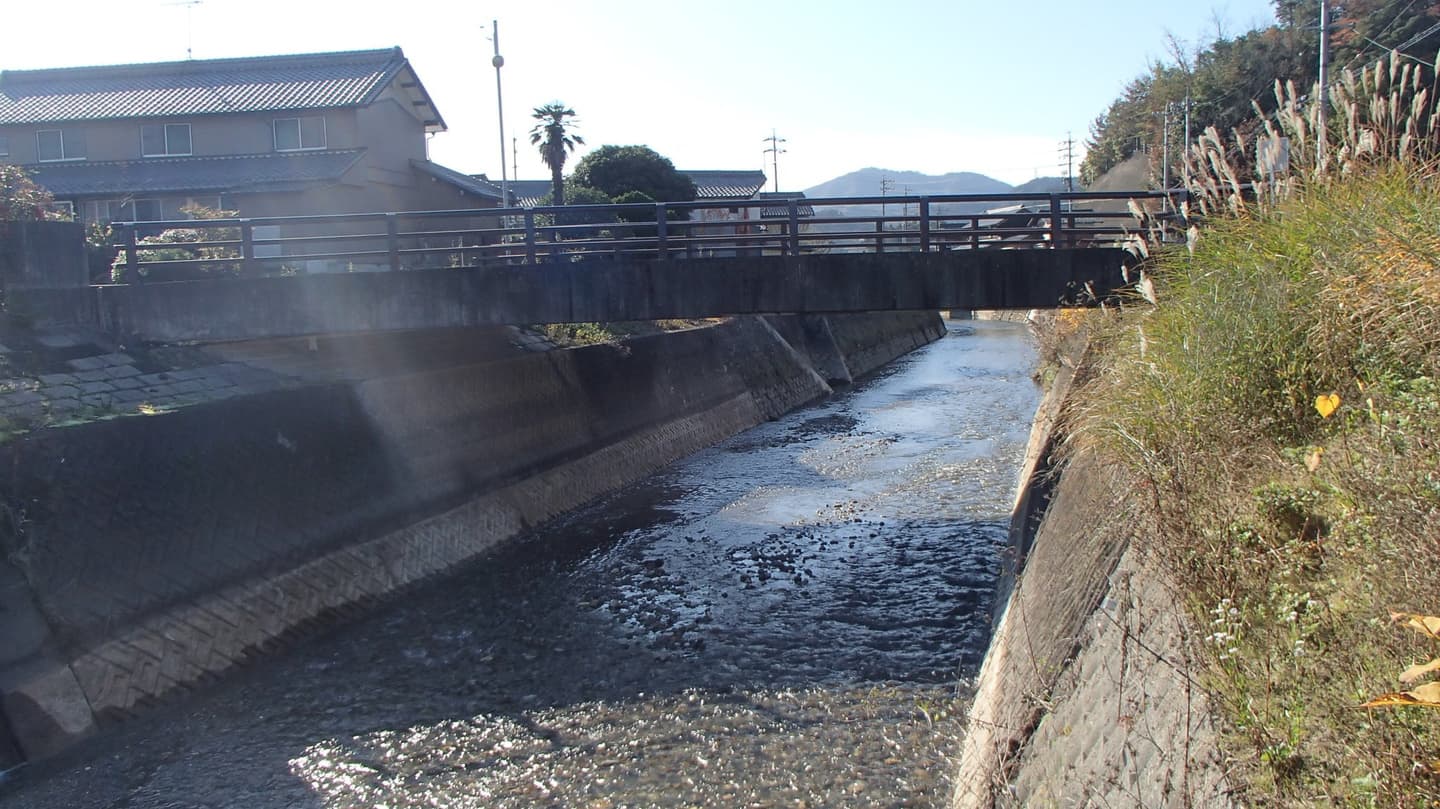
<point x="270" y="277"/>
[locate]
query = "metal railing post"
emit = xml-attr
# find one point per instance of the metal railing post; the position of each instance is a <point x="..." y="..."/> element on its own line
<point x="132" y="262"/>
<point x="1055" y="223"/>
<point x="247" y="249"/>
<point x="792" y="213"/>
<point x="392" y="241"/>
<point x="924" y="225"/>
<point x="661" y="232"/>
<point x="530" y="237"/>
<point x="879" y="236"/>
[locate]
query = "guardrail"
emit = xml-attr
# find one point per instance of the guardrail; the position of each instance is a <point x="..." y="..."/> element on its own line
<point x="665" y="231"/>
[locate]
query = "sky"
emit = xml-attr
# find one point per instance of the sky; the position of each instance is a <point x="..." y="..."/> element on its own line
<point x="935" y="86"/>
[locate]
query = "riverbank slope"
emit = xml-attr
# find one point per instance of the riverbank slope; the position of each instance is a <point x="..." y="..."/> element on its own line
<point x="145" y="555"/>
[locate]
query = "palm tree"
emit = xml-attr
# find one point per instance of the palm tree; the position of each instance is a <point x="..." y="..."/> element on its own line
<point x="554" y="142"/>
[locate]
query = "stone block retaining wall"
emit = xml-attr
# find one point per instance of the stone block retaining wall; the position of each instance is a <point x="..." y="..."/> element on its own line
<point x="1086" y="695"/>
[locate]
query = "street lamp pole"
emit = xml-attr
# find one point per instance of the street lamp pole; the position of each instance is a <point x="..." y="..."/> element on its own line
<point x="499" y="62"/>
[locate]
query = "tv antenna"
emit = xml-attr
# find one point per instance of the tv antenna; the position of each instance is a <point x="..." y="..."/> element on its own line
<point x="189" y="24"/>
<point x="774" y="151"/>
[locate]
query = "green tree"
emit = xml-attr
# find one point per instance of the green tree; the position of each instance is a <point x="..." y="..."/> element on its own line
<point x="555" y="137"/>
<point x="578" y="195"/>
<point x="620" y="170"/>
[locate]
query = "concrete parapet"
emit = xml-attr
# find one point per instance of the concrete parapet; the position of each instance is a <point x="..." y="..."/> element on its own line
<point x="42" y="255"/>
<point x="141" y="555"/>
<point x="598" y="291"/>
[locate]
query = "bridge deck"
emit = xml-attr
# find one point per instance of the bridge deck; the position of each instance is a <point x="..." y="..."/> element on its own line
<point x="255" y="278"/>
<point x="601" y="290"/>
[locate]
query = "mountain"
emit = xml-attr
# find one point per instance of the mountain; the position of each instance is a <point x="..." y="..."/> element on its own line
<point x="1043" y="185"/>
<point x="866" y="183"/>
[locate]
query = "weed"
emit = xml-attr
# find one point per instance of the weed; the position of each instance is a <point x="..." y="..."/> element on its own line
<point x="1276" y="390"/>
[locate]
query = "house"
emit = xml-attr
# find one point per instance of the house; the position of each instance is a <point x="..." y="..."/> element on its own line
<point x="267" y="136"/>
<point x="722" y="218"/>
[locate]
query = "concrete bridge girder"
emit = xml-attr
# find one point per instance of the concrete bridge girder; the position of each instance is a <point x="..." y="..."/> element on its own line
<point x="596" y="291"/>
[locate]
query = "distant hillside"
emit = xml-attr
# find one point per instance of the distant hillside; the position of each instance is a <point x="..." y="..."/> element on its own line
<point x="1044" y="185"/>
<point x="866" y="183"/>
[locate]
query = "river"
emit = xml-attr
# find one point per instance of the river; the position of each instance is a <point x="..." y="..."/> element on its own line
<point x="788" y="619"/>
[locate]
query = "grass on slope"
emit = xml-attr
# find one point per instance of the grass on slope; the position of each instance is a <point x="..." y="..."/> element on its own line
<point x="1297" y="533"/>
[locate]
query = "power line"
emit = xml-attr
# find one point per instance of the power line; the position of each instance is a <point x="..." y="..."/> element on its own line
<point x="1412" y="40"/>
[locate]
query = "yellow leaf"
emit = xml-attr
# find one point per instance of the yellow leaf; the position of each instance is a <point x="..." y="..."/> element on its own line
<point x="1424" y="624"/>
<point x="1326" y="404"/>
<point x="1414" y="673"/>
<point x="1312" y="460"/>
<point x="1429" y="694"/>
<point x="1426" y="696"/>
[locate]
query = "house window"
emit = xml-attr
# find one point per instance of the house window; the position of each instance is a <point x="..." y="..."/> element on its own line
<point x="60" y="144"/>
<point x="4" y="145"/>
<point x="294" y="134"/>
<point x="159" y="140"/>
<point x="132" y="210"/>
<point x="65" y="208"/>
<point x="211" y="203"/>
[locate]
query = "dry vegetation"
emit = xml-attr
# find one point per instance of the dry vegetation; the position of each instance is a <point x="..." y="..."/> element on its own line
<point x="568" y="335"/>
<point x="1281" y="399"/>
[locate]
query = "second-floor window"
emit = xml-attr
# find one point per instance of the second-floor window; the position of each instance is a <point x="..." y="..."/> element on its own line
<point x="158" y="140"/>
<point x="60" y="144"/>
<point x="4" y="145"/>
<point x="294" y="134"/>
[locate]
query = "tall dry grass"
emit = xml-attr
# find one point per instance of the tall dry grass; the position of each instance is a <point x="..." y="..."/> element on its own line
<point x="1296" y="532"/>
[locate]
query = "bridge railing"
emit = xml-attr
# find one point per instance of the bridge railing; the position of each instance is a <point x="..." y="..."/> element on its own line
<point x="250" y="247"/>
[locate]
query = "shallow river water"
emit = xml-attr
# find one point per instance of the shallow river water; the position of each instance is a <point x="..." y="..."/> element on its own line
<point x="785" y="620"/>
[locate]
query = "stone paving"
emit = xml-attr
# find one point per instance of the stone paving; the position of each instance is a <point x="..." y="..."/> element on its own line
<point x="116" y="383"/>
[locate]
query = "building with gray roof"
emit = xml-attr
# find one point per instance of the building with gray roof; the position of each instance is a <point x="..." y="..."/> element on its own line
<point x="268" y="136"/>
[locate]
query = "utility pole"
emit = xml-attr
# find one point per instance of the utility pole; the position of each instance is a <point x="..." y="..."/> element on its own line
<point x="1322" y="113"/>
<point x="515" y="158"/>
<point x="1165" y="150"/>
<point x="774" y="151"/>
<point x="1067" y="160"/>
<point x="499" y="62"/>
<point x="1186" y="163"/>
<point x="886" y="184"/>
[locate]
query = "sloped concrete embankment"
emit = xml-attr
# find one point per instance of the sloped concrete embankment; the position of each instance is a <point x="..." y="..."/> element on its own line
<point x="144" y="555"/>
<point x="1086" y="696"/>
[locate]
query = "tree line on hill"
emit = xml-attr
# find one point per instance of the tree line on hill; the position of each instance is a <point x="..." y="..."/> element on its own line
<point x="1226" y="80"/>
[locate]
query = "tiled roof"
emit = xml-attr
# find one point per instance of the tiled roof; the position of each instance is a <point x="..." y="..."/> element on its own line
<point x="236" y="174"/>
<point x="528" y="193"/>
<point x="205" y="86"/>
<point x="726" y="184"/>
<point x="471" y="185"/>
<point x="708" y="185"/>
<point x="781" y="210"/>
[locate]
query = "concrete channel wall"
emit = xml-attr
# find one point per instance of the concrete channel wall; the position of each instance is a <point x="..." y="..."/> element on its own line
<point x="1086" y="696"/>
<point x="141" y="556"/>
